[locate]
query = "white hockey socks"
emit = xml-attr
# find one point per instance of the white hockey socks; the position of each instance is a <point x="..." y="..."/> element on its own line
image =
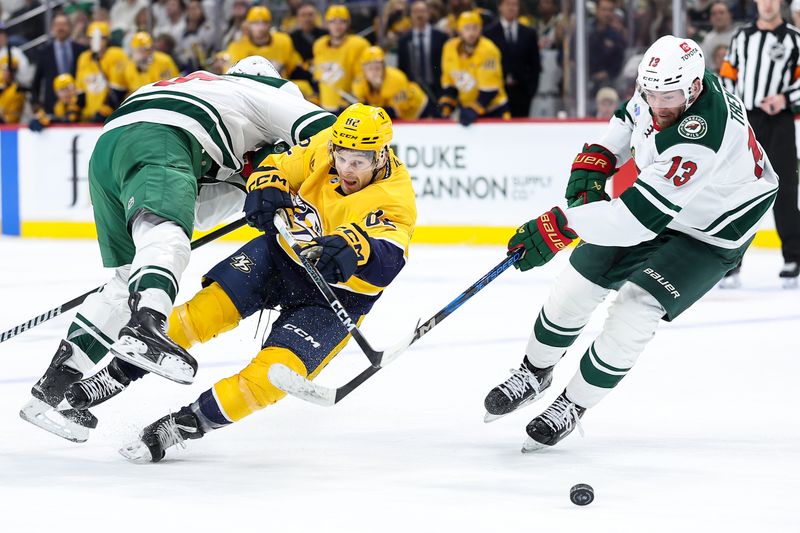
<point x="631" y="323"/>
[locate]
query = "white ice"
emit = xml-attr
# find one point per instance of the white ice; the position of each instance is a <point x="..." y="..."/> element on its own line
<point x="703" y="434"/>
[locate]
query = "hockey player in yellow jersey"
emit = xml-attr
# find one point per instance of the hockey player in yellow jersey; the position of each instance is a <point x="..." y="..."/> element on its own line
<point x="472" y="74"/>
<point x="68" y="107"/>
<point x="12" y="100"/>
<point x="336" y="59"/>
<point x="259" y="41"/>
<point x="389" y="88"/>
<point x="100" y="74"/>
<point x="352" y="205"/>
<point x="147" y="65"/>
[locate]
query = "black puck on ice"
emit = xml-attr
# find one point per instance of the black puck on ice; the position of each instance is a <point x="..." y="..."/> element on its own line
<point x="581" y="494"/>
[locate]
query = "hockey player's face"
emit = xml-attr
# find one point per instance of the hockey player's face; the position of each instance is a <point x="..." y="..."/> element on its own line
<point x="373" y="71"/>
<point x="667" y="106"/>
<point x="470" y="33"/>
<point x="337" y="27"/>
<point x="354" y="168"/>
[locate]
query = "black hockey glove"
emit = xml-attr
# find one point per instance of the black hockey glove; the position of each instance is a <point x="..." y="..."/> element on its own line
<point x="334" y="258"/>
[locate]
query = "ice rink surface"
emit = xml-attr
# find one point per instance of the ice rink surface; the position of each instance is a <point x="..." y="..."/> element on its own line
<point x="703" y="435"/>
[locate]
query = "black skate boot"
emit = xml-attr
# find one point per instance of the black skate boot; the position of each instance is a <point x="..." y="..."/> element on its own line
<point x="42" y="410"/>
<point x="167" y="431"/>
<point x="555" y="423"/>
<point x="143" y="342"/>
<point x="98" y="388"/>
<point x="525" y="386"/>
<point x="789" y="274"/>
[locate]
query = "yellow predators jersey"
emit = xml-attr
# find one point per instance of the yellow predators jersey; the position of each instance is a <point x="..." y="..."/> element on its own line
<point x="385" y="209"/>
<point x="161" y="67"/>
<point x="95" y="78"/>
<point x="407" y="99"/>
<point x="11" y="103"/>
<point x="471" y="74"/>
<point x="335" y="69"/>
<point x="69" y="111"/>
<point x="280" y="52"/>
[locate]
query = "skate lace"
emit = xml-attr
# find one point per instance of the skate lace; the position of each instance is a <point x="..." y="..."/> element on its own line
<point x="169" y="434"/>
<point x="100" y="385"/>
<point x="562" y="415"/>
<point x="515" y="386"/>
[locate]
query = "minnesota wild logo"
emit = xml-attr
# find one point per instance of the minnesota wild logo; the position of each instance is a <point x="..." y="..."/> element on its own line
<point x="693" y="127"/>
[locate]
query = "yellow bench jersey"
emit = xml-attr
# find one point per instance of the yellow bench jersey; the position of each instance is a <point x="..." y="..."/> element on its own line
<point x="407" y="99"/>
<point x="11" y="103"/>
<point x="335" y="69"/>
<point x="161" y="67"/>
<point x="385" y="209"/>
<point x="471" y="74"/>
<point x="96" y="78"/>
<point x="280" y="52"/>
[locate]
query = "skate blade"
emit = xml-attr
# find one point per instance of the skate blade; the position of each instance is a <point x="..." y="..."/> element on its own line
<point x="136" y="452"/>
<point x="790" y="283"/>
<point x="732" y="282"/>
<point x="530" y="446"/>
<point x="44" y="416"/>
<point x="127" y="348"/>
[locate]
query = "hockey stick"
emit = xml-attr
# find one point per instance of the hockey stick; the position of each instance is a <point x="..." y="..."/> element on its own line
<point x="75" y="302"/>
<point x="375" y="357"/>
<point x="293" y="383"/>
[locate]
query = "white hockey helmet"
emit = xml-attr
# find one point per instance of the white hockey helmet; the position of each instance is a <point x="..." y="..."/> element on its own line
<point x="254" y="66"/>
<point x="671" y="64"/>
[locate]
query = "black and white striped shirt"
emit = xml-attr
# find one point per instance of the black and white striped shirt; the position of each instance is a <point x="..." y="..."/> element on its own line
<point x="762" y="63"/>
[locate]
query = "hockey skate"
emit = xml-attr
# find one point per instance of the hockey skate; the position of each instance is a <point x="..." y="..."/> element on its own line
<point x="143" y="342"/>
<point x="732" y="279"/>
<point x="43" y="408"/>
<point x="555" y="423"/>
<point x="789" y="275"/>
<point x="525" y="386"/>
<point x="98" y="388"/>
<point x="175" y="428"/>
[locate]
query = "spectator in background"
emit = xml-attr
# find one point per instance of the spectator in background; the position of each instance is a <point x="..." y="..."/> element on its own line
<point x="234" y="29"/>
<point x="337" y="59"/>
<point x="258" y="41"/>
<point x="142" y="22"/>
<point x="12" y="99"/>
<point x="122" y="17"/>
<point x="419" y="51"/>
<point x="387" y="87"/>
<point x="289" y="22"/>
<point x="68" y="108"/>
<point x="100" y="74"/>
<point x="59" y="56"/>
<point x="472" y="74"/>
<point x="606" y="47"/>
<point x="23" y="70"/>
<point x="79" y="19"/>
<point x="721" y="32"/>
<point x="174" y="22"/>
<point x="307" y="31"/>
<point x="147" y="65"/>
<point x="198" y="39"/>
<point x="718" y="58"/>
<point x="549" y="26"/>
<point x="519" y="48"/>
<point x="794" y="8"/>
<point x="165" y="43"/>
<point x="395" y="22"/>
<point x="606" y="101"/>
<point x="30" y="29"/>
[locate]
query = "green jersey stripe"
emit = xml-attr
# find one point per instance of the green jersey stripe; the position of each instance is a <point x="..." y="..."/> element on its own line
<point x="301" y="122"/>
<point x="559" y="329"/>
<point x="267" y="80"/>
<point x="190" y="110"/>
<point x="641" y="208"/>
<point x="738" y="209"/>
<point x="602" y="365"/>
<point x="93" y="330"/>
<point x="658" y="196"/>
<point x="739" y="227"/>
<point x="317" y="126"/>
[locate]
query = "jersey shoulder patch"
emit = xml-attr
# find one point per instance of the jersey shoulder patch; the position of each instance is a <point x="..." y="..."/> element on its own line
<point x="703" y="124"/>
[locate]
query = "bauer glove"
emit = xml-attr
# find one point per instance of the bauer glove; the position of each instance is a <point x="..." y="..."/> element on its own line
<point x="587" y="179"/>
<point x="542" y="238"/>
<point x="337" y="256"/>
<point x="267" y="191"/>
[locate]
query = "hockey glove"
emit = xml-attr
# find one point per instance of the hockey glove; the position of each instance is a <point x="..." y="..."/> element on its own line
<point x="467" y="116"/>
<point x="590" y="170"/>
<point x="267" y="191"/>
<point x="333" y="257"/>
<point x="542" y="238"/>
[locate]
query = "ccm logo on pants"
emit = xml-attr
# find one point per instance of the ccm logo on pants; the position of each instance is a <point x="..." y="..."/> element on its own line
<point x="301" y="333"/>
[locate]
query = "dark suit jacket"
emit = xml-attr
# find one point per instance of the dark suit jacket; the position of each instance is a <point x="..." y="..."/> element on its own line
<point x="47" y="70"/>
<point x="521" y="60"/>
<point x="303" y="46"/>
<point x="405" y="51"/>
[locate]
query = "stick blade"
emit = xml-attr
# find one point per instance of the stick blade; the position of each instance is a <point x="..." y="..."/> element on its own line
<point x="293" y="383"/>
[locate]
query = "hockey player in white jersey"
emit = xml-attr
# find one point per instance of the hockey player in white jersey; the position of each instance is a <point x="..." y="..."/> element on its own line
<point x="171" y="154"/>
<point x="704" y="186"/>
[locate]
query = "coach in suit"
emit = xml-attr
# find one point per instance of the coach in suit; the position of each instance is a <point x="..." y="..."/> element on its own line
<point x="419" y="51"/>
<point x="519" y="47"/>
<point x="59" y="56"/>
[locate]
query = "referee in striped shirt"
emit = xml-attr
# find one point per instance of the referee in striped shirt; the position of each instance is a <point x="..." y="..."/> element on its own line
<point x="763" y="69"/>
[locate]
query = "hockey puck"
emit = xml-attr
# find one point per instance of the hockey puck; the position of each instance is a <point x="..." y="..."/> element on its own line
<point x="581" y="494"/>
